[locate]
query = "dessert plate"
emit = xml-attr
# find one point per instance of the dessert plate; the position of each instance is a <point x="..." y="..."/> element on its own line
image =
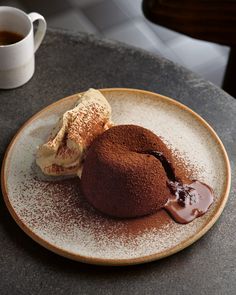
<point x="55" y="214"/>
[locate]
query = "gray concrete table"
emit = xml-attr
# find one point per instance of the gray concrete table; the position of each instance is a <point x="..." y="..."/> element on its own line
<point x="69" y="63"/>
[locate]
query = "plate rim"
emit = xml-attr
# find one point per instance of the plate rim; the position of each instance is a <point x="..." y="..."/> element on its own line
<point x="126" y="261"/>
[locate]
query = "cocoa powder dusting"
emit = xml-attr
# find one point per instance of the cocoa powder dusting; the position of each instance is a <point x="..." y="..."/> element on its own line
<point x="70" y="209"/>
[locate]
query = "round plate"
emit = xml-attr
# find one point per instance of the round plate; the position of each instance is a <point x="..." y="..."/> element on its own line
<point x="55" y="215"/>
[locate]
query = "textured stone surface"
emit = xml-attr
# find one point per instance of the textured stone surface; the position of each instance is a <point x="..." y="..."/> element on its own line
<point x="66" y="64"/>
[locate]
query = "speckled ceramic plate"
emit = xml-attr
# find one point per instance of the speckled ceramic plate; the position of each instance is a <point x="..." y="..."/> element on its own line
<point x="55" y="215"/>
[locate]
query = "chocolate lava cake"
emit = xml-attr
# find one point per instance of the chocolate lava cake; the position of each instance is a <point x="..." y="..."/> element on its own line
<point x="121" y="178"/>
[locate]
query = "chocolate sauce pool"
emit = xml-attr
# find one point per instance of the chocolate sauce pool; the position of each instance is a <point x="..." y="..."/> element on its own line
<point x="188" y="201"/>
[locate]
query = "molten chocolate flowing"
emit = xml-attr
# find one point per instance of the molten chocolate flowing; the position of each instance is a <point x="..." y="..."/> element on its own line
<point x="188" y="201"/>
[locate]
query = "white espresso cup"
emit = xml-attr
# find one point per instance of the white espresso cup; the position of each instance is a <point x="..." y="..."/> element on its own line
<point x="17" y="59"/>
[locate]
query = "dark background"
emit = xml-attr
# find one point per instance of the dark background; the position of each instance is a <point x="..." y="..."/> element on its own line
<point x="123" y="20"/>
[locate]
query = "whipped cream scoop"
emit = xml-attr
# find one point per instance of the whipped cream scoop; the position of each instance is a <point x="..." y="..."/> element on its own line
<point x="66" y="147"/>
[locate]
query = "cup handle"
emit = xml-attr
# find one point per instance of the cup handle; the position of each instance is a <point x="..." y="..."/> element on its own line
<point x="41" y="30"/>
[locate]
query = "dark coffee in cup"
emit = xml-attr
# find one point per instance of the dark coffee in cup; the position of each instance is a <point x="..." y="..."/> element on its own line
<point x="7" y="37"/>
<point x="19" y="41"/>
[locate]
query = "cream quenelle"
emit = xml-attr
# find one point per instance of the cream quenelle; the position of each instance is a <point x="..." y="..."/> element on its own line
<point x="66" y="147"/>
